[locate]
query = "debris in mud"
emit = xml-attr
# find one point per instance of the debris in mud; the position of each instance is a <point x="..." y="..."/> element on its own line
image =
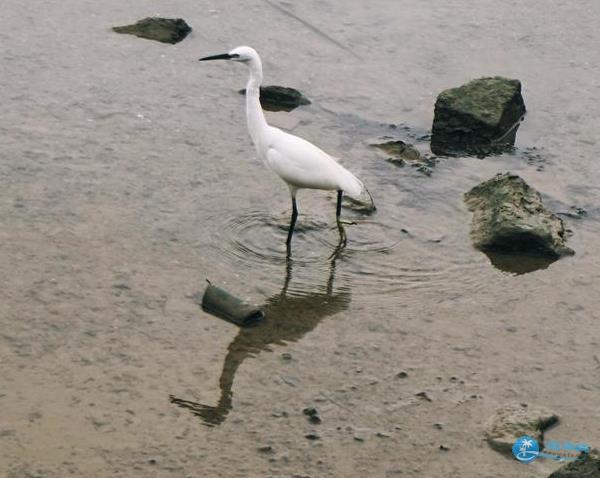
<point x="574" y="213"/>
<point x="534" y="157"/>
<point x="222" y="304"/>
<point x="509" y="217"/>
<point x="312" y="436"/>
<point x="164" y="30"/>
<point x="280" y="98"/>
<point x="424" y="396"/>
<point x="478" y="118"/>
<point x="587" y="466"/>
<point x="513" y="421"/>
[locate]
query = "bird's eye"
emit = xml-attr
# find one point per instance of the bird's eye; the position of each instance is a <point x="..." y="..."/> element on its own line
<point x="235" y="55"/>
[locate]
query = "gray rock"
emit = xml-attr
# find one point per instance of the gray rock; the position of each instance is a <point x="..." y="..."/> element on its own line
<point x="280" y="98"/>
<point x="165" y="30"/>
<point x="480" y="117"/>
<point x="513" y="421"/>
<point x="586" y="467"/>
<point x="509" y="217"/>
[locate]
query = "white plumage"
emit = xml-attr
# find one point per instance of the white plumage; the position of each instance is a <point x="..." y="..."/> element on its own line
<point x="302" y="165"/>
<point x="299" y="163"/>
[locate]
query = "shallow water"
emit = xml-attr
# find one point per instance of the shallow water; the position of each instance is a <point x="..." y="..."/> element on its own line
<point x="127" y="179"/>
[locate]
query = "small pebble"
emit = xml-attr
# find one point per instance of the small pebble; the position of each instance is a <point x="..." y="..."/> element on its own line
<point x="314" y="419"/>
<point x="265" y="449"/>
<point x="402" y="374"/>
<point x="312" y="436"/>
<point x="444" y="448"/>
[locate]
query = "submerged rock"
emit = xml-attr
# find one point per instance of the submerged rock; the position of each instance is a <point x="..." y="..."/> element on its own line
<point x="509" y="217"/>
<point x="588" y="466"/>
<point x="480" y="117"/>
<point x="165" y="30"/>
<point x="399" y="151"/>
<point x="280" y="98"/>
<point x="513" y="421"/>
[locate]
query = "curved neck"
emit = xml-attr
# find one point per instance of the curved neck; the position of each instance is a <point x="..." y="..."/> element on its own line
<point x="254" y="113"/>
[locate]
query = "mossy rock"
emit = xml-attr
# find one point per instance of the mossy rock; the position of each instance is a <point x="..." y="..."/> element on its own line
<point x="478" y="118"/>
<point x="280" y="98"/>
<point x="515" y="420"/>
<point x="165" y="30"/>
<point x="509" y="217"/>
<point x="587" y="466"/>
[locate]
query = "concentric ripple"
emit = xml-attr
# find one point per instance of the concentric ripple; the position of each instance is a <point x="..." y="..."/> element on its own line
<point x="380" y="259"/>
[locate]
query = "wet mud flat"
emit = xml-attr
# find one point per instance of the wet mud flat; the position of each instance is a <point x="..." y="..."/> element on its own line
<point x="127" y="178"/>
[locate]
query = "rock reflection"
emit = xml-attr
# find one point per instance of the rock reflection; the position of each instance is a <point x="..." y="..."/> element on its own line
<point x="518" y="264"/>
<point x="289" y="316"/>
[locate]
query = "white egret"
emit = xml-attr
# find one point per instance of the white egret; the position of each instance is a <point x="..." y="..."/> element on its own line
<point x="299" y="163"/>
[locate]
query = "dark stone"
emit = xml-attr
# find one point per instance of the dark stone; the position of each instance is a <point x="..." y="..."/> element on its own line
<point x="312" y="436"/>
<point x="509" y="217"/>
<point x="165" y="30"/>
<point x="588" y="466"/>
<point x="478" y="118"/>
<point x="280" y="98"/>
<point x="313" y="415"/>
<point x="402" y="374"/>
<point x="265" y="449"/>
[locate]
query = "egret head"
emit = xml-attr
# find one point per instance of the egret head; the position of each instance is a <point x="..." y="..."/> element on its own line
<point x="244" y="54"/>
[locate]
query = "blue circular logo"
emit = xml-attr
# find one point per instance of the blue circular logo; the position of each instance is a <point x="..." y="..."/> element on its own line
<point x="526" y="449"/>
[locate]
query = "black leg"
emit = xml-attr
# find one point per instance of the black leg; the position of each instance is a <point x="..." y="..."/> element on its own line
<point x="338" y="212"/>
<point x="292" y="223"/>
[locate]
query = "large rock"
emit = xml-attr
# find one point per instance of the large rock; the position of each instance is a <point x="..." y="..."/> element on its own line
<point x="165" y="30"/>
<point x="586" y="467"/>
<point x="513" y="421"/>
<point x="480" y="117"/>
<point x="509" y="217"/>
<point x="280" y="98"/>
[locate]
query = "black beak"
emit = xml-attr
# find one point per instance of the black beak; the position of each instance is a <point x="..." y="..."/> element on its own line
<point x="223" y="56"/>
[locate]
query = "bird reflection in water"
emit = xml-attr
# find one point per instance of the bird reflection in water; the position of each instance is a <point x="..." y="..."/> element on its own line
<point x="288" y="318"/>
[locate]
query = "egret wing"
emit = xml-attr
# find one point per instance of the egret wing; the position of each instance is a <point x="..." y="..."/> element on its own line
<point x="302" y="164"/>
